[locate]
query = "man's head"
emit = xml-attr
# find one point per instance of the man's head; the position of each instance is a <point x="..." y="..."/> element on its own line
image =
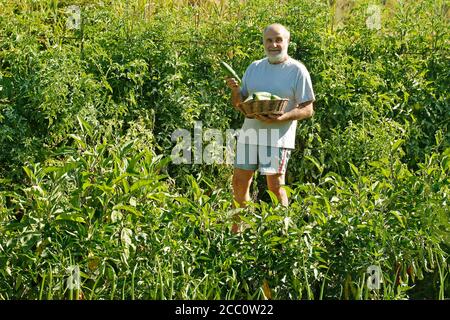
<point x="276" y="41"/>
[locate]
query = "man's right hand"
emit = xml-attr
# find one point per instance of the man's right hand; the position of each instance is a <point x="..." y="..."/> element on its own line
<point x="236" y="97"/>
<point x="232" y="84"/>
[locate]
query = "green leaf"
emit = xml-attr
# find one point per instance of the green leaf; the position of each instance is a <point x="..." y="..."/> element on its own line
<point x="125" y="148"/>
<point x="289" y="191"/>
<point x="127" y="208"/>
<point x="277" y="239"/>
<point x="141" y="183"/>
<point x="376" y="164"/>
<point x="327" y="205"/>
<point x="50" y="169"/>
<point x="273" y="197"/>
<point x="85" y="126"/>
<point x="354" y="169"/>
<point x="29" y="173"/>
<point x="70" y="217"/>
<point x="77" y="138"/>
<point x="247" y="220"/>
<point x="315" y="162"/>
<point x="273" y="217"/>
<point x="125" y="236"/>
<point x="397" y="144"/>
<point x="399" y="217"/>
<point x="5" y="181"/>
<point x="121" y="177"/>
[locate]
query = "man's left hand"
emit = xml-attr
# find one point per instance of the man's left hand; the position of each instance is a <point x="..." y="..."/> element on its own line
<point x="271" y="118"/>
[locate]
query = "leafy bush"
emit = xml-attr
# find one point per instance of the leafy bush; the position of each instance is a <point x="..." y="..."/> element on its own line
<point x="86" y="117"/>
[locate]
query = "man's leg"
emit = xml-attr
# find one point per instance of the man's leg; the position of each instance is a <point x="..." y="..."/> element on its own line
<point x="274" y="167"/>
<point x="275" y="183"/>
<point x="242" y="180"/>
<point x="246" y="162"/>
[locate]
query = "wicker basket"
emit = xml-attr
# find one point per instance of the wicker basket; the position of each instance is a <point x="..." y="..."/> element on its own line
<point x="251" y="108"/>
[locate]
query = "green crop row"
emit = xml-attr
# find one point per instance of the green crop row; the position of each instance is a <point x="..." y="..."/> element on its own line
<point x="86" y="118"/>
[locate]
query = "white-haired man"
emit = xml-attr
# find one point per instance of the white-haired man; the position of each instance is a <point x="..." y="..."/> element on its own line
<point x="269" y="149"/>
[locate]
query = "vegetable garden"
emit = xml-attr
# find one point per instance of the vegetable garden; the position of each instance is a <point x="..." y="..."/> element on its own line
<point x="91" y="94"/>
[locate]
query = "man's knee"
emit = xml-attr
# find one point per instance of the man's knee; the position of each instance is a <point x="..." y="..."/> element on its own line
<point x="277" y="190"/>
<point x="275" y="183"/>
<point x="242" y="179"/>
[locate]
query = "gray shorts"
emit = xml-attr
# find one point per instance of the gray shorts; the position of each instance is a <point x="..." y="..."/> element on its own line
<point x="269" y="160"/>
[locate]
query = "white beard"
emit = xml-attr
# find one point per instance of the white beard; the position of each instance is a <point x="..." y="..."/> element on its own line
<point x="277" y="58"/>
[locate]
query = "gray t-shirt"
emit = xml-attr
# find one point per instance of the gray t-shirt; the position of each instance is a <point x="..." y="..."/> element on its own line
<point x="289" y="79"/>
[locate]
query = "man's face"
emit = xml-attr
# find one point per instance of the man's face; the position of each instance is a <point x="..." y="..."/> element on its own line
<point x="276" y="44"/>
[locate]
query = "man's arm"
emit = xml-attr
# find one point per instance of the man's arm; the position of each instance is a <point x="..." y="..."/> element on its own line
<point x="302" y="111"/>
<point x="236" y="97"/>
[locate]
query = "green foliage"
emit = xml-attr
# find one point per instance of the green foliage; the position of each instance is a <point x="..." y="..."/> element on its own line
<point x="86" y="117"/>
